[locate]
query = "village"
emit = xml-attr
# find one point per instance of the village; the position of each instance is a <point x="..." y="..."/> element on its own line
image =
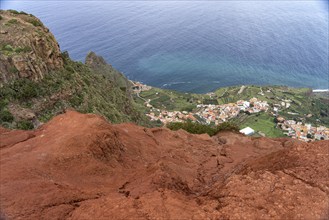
<point x="217" y="114"/>
<point x="301" y="131"/>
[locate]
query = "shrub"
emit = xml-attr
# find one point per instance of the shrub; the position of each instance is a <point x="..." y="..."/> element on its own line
<point x="25" y="125"/>
<point x="8" y="48"/>
<point x="69" y="68"/>
<point x="12" y="21"/>
<point x="197" y="128"/>
<point x="23" y="49"/>
<point x="191" y="127"/>
<point x="228" y="126"/>
<point x="309" y="136"/>
<point x="13" y="69"/>
<point x="35" y="22"/>
<point x="188" y="108"/>
<point x="6" y="116"/>
<point x="23" y="13"/>
<point x="24" y="89"/>
<point x="0" y="17"/>
<point x="76" y="100"/>
<point x="13" y="11"/>
<point x="3" y="102"/>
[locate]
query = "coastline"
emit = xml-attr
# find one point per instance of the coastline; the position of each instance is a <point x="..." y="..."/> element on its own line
<point x="320" y="90"/>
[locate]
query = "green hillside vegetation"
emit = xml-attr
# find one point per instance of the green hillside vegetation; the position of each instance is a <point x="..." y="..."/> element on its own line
<point x="260" y="122"/>
<point x="76" y="86"/>
<point x="171" y="100"/>
<point x="303" y="101"/>
<point x="197" y="128"/>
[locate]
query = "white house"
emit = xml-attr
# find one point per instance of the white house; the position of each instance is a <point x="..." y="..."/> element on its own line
<point x="247" y="131"/>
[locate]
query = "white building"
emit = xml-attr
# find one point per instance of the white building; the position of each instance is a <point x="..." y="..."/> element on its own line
<point x="247" y="131"/>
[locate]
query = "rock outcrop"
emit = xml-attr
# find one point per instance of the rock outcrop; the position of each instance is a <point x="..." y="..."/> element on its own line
<point x="81" y="167"/>
<point x="99" y="66"/>
<point x="27" y="48"/>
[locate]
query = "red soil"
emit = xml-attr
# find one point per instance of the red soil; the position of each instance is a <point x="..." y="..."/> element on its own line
<point x="79" y="166"/>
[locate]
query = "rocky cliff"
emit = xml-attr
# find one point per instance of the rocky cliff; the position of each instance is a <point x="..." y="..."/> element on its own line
<point x="27" y="48"/>
<point x="99" y="65"/>
<point x="37" y="81"/>
<point x="81" y="167"/>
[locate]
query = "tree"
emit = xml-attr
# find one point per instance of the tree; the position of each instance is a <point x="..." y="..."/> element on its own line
<point x="309" y="136"/>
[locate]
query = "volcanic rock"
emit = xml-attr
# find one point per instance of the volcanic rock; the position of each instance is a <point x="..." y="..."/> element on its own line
<point x="79" y="166"/>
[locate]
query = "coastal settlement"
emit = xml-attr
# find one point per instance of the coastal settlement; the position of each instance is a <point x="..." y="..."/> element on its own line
<point x="217" y="114"/>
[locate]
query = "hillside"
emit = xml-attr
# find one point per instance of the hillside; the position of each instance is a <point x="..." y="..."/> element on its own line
<point x="298" y="104"/>
<point x="301" y="100"/>
<point x="79" y="166"/>
<point x="38" y="81"/>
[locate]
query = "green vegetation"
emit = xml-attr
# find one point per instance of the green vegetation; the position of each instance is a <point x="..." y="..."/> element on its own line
<point x="13" y="11"/>
<point x="21" y="89"/>
<point x="13" y="69"/>
<point x="17" y="13"/>
<point x="77" y="86"/>
<point x="23" y="13"/>
<point x="6" y="116"/>
<point x="260" y="122"/>
<point x="12" y="21"/>
<point x="197" y="128"/>
<point x="22" y="49"/>
<point x="25" y="125"/>
<point x="0" y="17"/>
<point x="35" y="22"/>
<point x="9" y="50"/>
<point x="171" y="100"/>
<point x="303" y="101"/>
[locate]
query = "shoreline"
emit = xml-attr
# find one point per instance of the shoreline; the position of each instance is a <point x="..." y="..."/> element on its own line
<point x="320" y="90"/>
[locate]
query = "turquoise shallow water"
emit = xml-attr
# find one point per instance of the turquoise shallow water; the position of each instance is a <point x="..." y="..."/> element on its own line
<point x="196" y="46"/>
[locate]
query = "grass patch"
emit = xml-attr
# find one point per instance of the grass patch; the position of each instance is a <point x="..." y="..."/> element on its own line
<point x="35" y="22"/>
<point x="12" y="21"/>
<point x="172" y="100"/>
<point x="262" y="122"/>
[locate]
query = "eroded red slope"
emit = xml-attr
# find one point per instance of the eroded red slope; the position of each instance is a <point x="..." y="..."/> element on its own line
<point x="79" y="166"/>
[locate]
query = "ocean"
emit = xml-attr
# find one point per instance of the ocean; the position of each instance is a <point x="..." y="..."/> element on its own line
<point x="195" y="46"/>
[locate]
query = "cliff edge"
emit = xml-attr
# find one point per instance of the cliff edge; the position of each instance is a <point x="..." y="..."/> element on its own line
<point x="38" y="81"/>
<point x="27" y="48"/>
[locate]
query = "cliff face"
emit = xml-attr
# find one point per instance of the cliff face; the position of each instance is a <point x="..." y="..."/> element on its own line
<point x="27" y="48"/>
<point x="37" y="81"/>
<point x="80" y="167"/>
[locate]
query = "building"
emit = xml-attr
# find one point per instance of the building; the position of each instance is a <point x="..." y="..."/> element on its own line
<point x="247" y="131"/>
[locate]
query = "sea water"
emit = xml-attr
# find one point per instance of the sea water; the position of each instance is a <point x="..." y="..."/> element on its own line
<point x="196" y="46"/>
